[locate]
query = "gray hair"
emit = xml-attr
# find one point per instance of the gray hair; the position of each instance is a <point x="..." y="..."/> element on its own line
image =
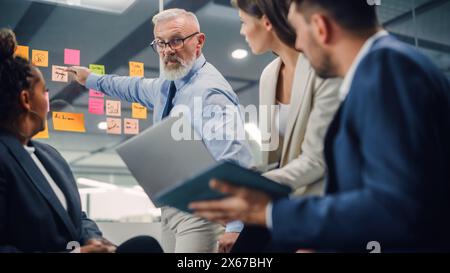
<point x="169" y="14"/>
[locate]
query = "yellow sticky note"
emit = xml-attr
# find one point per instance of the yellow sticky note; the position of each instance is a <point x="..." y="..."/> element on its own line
<point x="138" y="111"/>
<point x="23" y="51"/>
<point x="97" y="69"/>
<point x="136" y="69"/>
<point x="70" y="122"/>
<point x="42" y="134"/>
<point x="39" y="58"/>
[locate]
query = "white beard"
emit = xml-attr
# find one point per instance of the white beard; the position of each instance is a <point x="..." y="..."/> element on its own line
<point x="175" y="74"/>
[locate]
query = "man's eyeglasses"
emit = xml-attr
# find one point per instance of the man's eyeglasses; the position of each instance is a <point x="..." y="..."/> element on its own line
<point x="174" y="44"/>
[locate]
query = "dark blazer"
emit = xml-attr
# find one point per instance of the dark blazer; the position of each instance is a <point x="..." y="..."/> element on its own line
<point x="388" y="157"/>
<point x="32" y="218"/>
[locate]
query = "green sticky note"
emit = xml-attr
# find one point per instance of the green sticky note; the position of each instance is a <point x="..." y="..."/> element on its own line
<point x="97" y="69"/>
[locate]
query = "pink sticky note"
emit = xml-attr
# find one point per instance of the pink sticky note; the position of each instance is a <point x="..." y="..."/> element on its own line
<point x="113" y="108"/>
<point x="114" y="126"/>
<point x="96" y="106"/>
<point x="95" y="93"/>
<point x="59" y="74"/>
<point x="71" y="56"/>
<point x="131" y="126"/>
<point x="48" y="101"/>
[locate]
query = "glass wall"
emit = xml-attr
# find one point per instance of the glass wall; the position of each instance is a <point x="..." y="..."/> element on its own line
<point x="114" y="33"/>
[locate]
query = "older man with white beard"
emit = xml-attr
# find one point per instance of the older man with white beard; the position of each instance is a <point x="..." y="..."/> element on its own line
<point x="185" y="77"/>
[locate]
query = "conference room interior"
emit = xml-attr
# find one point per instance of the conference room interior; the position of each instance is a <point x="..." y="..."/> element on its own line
<point x="113" y="33"/>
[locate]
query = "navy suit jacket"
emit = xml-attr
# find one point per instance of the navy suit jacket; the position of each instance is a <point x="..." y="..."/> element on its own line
<point x="32" y="218"/>
<point x="388" y="157"/>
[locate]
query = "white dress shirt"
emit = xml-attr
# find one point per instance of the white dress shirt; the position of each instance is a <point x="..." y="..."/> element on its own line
<point x="53" y="185"/>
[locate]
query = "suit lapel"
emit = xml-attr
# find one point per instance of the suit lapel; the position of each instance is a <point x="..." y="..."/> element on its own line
<point x="301" y="80"/>
<point x="37" y="178"/>
<point x="63" y="181"/>
<point x="268" y="99"/>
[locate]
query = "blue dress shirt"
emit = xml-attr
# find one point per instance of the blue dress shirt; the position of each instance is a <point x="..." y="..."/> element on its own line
<point x="205" y="84"/>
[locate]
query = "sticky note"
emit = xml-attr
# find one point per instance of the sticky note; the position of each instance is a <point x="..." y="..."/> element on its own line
<point x="96" y="106"/>
<point x="58" y="74"/>
<point x="23" y="51"/>
<point x="113" y="108"/>
<point x="42" y="134"/>
<point x="131" y="126"/>
<point x="97" y="69"/>
<point x="39" y="58"/>
<point x="95" y="93"/>
<point x="48" y="101"/>
<point x="70" y="122"/>
<point x="138" y="111"/>
<point x="114" y="126"/>
<point x="71" y="56"/>
<point x="136" y="69"/>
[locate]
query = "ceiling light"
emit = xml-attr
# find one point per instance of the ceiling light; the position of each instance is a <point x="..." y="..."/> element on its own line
<point x="116" y="6"/>
<point x="102" y="125"/>
<point x="239" y="54"/>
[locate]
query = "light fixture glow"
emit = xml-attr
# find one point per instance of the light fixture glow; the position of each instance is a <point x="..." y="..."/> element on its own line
<point x="114" y="6"/>
<point x="96" y="184"/>
<point x="239" y="54"/>
<point x="102" y="125"/>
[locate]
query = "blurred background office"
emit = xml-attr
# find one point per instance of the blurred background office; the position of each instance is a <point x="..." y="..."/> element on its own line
<point x="118" y="31"/>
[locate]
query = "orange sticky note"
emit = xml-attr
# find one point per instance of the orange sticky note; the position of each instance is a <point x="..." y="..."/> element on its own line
<point x="42" y="134"/>
<point x="136" y="69"/>
<point x="138" y="111"/>
<point x="131" y="126"/>
<point x="113" y="108"/>
<point x="39" y="58"/>
<point x="58" y="74"/>
<point x="70" y="122"/>
<point x="23" y="51"/>
<point x="114" y="126"/>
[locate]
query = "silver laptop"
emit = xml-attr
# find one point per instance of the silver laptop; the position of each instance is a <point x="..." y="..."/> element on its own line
<point x="158" y="161"/>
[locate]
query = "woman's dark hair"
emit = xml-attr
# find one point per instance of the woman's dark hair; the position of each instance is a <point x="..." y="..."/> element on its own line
<point x="275" y="10"/>
<point x="16" y="74"/>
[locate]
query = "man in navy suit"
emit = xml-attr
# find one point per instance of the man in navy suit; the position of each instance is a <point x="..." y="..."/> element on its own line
<point x="387" y="149"/>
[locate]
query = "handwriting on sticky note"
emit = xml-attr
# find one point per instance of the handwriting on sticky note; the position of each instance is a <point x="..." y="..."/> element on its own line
<point x="113" y="108"/>
<point x="23" y="51"/>
<point x="96" y="106"/>
<point x="97" y="69"/>
<point x="131" y="126"/>
<point x="71" y="56"/>
<point x="59" y="74"/>
<point x="136" y="69"/>
<point x="70" y="122"/>
<point x="138" y="111"/>
<point x="114" y="126"/>
<point x="43" y="134"/>
<point x="39" y="58"/>
<point x="95" y="93"/>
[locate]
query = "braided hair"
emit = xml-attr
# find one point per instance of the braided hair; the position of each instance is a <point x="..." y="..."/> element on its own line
<point x="16" y="74"/>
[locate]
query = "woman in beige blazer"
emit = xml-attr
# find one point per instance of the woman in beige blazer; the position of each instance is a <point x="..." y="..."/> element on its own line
<point x="304" y="103"/>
